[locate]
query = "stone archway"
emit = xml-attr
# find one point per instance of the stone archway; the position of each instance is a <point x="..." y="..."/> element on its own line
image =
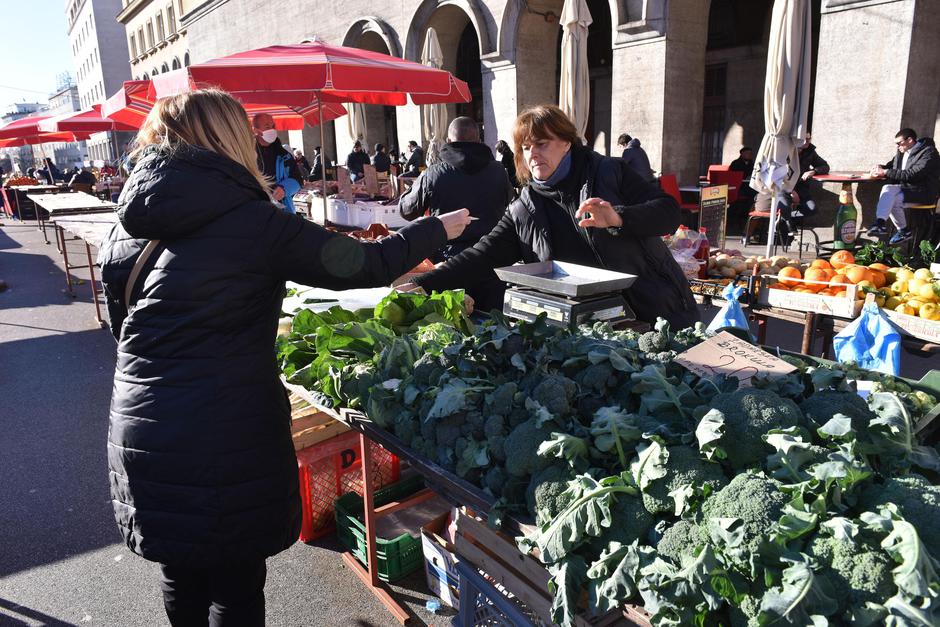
<point x="375" y="35"/>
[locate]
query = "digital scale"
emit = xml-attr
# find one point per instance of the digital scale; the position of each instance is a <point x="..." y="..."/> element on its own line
<point x="568" y="294"/>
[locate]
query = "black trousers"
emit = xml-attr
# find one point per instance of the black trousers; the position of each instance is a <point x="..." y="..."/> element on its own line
<point x="228" y="596"/>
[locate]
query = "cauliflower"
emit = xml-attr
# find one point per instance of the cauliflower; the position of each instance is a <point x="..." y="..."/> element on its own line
<point x="749" y="414"/>
<point x="684" y="466"/>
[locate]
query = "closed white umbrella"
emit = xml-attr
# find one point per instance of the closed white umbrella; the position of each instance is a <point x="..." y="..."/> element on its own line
<point x="786" y="103"/>
<point x="433" y="116"/>
<point x="574" y="94"/>
<point x="356" y="120"/>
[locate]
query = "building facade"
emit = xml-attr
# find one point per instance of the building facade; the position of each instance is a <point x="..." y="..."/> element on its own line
<point x="99" y="50"/>
<point x="684" y="76"/>
<point x="155" y="41"/>
<point x="64" y="99"/>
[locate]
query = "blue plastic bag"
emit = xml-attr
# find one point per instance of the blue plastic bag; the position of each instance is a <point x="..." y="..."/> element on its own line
<point x="871" y="341"/>
<point x="731" y="315"/>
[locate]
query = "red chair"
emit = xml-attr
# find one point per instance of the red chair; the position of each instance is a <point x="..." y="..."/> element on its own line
<point x="734" y="181"/>
<point x="668" y="183"/>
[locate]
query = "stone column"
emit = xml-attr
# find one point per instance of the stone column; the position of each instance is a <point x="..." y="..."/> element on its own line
<point x="500" y="106"/>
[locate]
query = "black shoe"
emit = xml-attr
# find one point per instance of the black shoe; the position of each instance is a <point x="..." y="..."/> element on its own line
<point x="901" y="236"/>
<point x="878" y="229"/>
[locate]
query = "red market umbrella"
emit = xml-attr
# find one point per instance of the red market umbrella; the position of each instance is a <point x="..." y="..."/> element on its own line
<point x="22" y="127"/>
<point x="304" y="72"/>
<point x="87" y="121"/>
<point x="134" y="101"/>
<point x="43" y="138"/>
<point x="317" y="72"/>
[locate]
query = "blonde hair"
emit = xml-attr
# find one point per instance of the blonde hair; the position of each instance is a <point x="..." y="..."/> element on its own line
<point x="206" y="118"/>
<point x="540" y="122"/>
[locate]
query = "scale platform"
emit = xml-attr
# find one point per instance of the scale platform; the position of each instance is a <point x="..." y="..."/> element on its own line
<point x="568" y="294"/>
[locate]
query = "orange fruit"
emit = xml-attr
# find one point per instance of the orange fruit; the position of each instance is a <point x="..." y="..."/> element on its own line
<point x="856" y="274"/>
<point x="804" y="290"/>
<point x="839" y="281"/>
<point x="787" y="274"/>
<point x="821" y="263"/>
<point x="816" y="274"/>
<point x="841" y="258"/>
<point x="880" y="267"/>
<point x="878" y="278"/>
<point x="780" y="286"/>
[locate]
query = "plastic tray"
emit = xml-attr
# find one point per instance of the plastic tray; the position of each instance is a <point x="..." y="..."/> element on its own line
<point x="565" y="279"/>
<point x="397" y="557"/>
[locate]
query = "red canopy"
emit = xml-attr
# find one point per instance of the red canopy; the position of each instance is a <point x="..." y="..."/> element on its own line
<point x="299" y="74"/>
<point x="87" y="121"/>
<point x="22" y="127"/>
<point x="131" y="105"/>
<point x="43" y="138"/>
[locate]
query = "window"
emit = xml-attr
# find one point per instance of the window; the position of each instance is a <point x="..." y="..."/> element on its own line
<point x="171" y="19"/>
<point x="161" y="34"/>
<point x="133" y="46"/>
<point x="164" y="68"/>
<point x="146" y="76"/>
<point x="186" y="59"/>
<point x="140" y="41"/>
<point x="150" y="34"/>
<point x="176" y="63"/>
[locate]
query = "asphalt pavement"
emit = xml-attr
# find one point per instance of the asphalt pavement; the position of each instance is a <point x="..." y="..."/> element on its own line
<point x="62" y="561"/>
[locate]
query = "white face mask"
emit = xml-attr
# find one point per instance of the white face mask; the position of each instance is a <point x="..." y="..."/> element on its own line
<point x="269" y="135"/>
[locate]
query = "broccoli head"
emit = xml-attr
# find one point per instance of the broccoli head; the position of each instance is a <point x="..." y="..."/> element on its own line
<point x="746" y="613"/>
<point x="753" y="498"/>
<point x="679" y="541"/>
<point x="684" y="466"/>
<point x="749" y="414"/>
<point x="555" y="393"/>
<point x="822" y="406"/>
<point x="653" y="342"/>
<point x="629" y="521"/>
<point x="545" y="495"/>
<point x="597" y="377"/>
<point x="858" y="573"/>
<point x="494" y="480"/>
<point x="500" y="400"/>
<point x="918" y="502"/>
<point x="521" y="448"/>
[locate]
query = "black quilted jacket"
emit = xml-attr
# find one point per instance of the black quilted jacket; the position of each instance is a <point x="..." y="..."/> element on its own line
<point x="202" y="467"/>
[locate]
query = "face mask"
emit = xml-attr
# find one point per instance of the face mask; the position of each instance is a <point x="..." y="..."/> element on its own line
<point x="269" y="135"/>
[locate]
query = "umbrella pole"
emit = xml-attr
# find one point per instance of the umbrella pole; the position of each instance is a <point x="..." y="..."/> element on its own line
<point x="322" y="159"/>
<point x="772" y="230"/>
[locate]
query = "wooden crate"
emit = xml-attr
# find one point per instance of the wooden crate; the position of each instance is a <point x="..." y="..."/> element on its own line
<point x="310" y="425"/>
<point x="846" y="306"/>
<point x="915" y="326"/>
<point x="497" y="555"/>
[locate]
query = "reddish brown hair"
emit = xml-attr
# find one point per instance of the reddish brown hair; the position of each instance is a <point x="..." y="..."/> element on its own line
<point x="540" y="122"/>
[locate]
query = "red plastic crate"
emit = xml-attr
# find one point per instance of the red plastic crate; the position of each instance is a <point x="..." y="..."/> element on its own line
<point x="332" y="468"/>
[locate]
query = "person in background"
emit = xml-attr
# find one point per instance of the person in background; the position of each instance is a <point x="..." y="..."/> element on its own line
<point x="381" y="160"/>
<point x="201" y="465"/>
<point x="303" y="166"/>
<point x="355" y="160"/>
<point x="316" y="173"/>
<point x="811" y="164"/>
<point x="415" y="161"/>
<point x="737" y="212"/>
<point x="508" y="160"/>
<point x="467" y="177"/>
<point x="635" y="157"/>
<point x="83" y="181"/>
<point x="914" y="175"/>
<point x="275" y="161"/>
<point x="584" y="208"/>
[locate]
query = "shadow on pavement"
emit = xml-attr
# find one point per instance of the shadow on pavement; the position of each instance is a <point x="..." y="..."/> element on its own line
<point x="53" y="458"/>
<point x="25" y="612"/>
<point x="7" y="242"/>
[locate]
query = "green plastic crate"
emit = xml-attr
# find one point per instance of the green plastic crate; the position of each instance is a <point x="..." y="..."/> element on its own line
<point x="397" y="557"/>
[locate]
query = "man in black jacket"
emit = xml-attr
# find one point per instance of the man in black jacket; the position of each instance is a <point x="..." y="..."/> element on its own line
<point x="914" y="173"/>
<point x="415" y="161"/>
<point x="467" y="177"/>
<point x="356" y="160"/>
<point x="635" y="157"/>
<point x="811" y="164"/>
<point x="381" y="160"/>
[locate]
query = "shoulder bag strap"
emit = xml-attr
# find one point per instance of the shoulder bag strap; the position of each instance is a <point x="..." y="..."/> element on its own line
<point x="136" y="270"/>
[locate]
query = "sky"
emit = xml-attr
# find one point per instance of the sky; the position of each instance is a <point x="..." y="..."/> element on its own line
<point x="34" y="49"/>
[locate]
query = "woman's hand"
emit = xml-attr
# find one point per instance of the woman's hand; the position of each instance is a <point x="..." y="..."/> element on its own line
<point x="455" y="222"/>
<point x="600" y="214"/>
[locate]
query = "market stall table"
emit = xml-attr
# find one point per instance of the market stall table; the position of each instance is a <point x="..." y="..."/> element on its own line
<point x="27" y="191"/>
<point x="89" y="219"/>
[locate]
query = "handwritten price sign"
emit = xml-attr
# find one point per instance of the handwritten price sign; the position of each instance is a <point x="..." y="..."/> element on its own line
<point x="728" y="355"/>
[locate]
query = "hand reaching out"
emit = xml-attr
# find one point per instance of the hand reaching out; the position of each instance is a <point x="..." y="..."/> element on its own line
<point x="597" y="213"/>
<point x="455" y="222"/>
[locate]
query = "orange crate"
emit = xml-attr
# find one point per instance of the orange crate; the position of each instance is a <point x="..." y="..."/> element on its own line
<point x="332" y="468"/>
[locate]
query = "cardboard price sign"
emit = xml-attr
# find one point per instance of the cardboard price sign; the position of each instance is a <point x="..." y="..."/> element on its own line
<point x="731" y="356"/>
<point x="713" y="214"/>
<point x="345" y="184"/>
<point x="371" y="179"/>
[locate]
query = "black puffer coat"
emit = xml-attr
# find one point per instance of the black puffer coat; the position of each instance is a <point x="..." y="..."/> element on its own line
<point x="201" y="463"/>
<point x="524" y="234"/>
